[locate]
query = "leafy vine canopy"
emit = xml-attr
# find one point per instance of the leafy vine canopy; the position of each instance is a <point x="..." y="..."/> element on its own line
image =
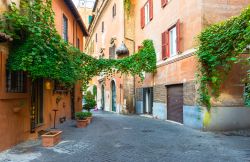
<point x="38" y="49"/>
<point x="220" y="47"/>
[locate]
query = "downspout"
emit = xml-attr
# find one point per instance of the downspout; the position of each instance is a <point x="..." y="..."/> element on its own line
<point x="133" y="41"/>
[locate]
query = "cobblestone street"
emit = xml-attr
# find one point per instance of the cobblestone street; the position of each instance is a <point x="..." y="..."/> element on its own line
<point x="113" y="137"/>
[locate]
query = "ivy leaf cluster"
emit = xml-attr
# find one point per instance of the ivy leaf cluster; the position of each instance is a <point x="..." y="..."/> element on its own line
<point x="220" y="46"/>
<point x="38" y="49"/>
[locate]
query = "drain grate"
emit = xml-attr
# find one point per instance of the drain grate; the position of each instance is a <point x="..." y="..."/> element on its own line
<point x="147" y="131"/>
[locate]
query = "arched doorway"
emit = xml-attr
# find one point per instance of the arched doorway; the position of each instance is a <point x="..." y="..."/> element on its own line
<point x="113" y="99"/>
<point x="103" y="98"/>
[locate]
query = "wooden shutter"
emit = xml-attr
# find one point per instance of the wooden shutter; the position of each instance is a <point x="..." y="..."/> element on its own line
<point x="164" y="47"/>
<point x="178" y="36"/>
<point x="164" y="3"/>
<point x="151" y="11"/>
<point x="167" y="44"/>
<point x="142" y="17"/>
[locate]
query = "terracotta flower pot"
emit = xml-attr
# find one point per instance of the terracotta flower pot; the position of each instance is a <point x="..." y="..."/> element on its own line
<point x="89" y="119"/>
<point x="81" y="123"/>
<point x="51" y="138"/>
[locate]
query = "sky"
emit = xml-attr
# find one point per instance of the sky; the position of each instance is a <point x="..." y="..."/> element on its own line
<point x="88" y="3"/>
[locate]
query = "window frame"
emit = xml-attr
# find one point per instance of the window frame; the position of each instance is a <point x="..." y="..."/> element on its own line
<point x="147" y="13"/>
<point x="65" y="31"/>
<point x="103" y="28"/>
<point x="16" y="82"/>
<point x="173" y="28"/>
<point x="114" y="10"/>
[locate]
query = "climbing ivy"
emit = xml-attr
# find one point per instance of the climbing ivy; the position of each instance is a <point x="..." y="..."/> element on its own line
<point x="38" y="49"/>
<point x="127" y="5"/>
<point x="220" y="46"/>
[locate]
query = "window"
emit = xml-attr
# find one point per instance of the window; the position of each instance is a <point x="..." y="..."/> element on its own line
<point x="112" y="52"/>
<point x="114" y="11"/>
<point x="90" y="19"/>
<point x="16" y="82"/>
<point x="171" y="41"/>
<point x="146" y="10"/>
<point x="146" y="13"/>
<point x="65" y="28"/>
<point x="103" y="26"/>
<point x="96" y="37"/>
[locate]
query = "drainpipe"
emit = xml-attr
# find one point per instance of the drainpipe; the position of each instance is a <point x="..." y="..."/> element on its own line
<point x="133" y="41"/>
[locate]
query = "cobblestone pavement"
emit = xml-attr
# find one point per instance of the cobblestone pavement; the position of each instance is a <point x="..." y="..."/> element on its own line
<point x="118" y="138"/>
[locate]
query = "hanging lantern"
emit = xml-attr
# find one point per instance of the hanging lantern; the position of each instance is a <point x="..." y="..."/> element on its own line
<point x="122" y="50"/>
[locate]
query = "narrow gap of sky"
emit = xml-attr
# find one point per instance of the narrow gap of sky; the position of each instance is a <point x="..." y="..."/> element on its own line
<point x="86" y="3"/>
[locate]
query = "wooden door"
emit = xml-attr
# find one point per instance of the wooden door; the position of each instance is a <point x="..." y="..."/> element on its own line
<point x="175" y="103"/>
<point x="113" y="96"/>
<point x="36" y="104"/>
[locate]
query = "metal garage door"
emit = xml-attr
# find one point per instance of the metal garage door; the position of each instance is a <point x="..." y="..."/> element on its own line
<point x="175" y="103"/>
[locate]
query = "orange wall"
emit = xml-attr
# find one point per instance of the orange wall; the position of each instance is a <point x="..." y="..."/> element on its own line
<point x="15" y="126"/>
<point x="74" y="30"/>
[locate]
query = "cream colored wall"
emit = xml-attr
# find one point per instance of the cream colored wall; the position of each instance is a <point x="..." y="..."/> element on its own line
<point x="113" y="28"/>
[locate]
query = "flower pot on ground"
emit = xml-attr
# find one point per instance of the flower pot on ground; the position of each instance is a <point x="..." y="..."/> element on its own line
<point x="90" y="101"/>
<point x="89" y="117"/>
<point x="51" y="138"/>
<point x="81" y="120"/>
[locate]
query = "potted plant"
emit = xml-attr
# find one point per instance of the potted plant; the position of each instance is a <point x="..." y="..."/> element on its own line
<point x="89" y="117"/>
<point x="90" y="101"/>
<point x="81" y="120"/>
<point x="51" y="138"/>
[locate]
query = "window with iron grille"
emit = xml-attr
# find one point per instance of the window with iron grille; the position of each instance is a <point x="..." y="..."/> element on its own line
<point x="65" y="28"/>
<point x="112" y="52"/>
<point x="16" y="81"/>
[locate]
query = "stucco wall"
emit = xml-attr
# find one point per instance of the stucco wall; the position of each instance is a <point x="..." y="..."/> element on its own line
<point x="16" y="125"/>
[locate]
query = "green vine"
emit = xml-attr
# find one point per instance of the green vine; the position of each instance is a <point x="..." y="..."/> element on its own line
<point x="127" y="6"/>
<point x="38" y="49"/>
<point x="220" y="47"/>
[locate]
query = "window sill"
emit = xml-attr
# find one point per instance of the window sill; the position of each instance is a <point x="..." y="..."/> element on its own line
<point x="8" y="96"/>
<point x="176" y="58"/>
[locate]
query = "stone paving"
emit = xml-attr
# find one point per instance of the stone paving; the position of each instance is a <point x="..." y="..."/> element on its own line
<point x="117" y="138"/>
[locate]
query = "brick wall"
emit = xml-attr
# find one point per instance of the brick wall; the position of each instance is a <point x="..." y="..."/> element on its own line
<point x="189" y="93"/>
<point x="160" y="93"/>
<point x="139" y="94"/>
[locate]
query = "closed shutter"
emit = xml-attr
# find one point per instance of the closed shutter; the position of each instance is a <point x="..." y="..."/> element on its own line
<point x="151" y="11"/>
<point x="165" y="45"/>
<point x="164" y="3"/>
<point x="178" y="36"/>
<point x="142" y="17"/>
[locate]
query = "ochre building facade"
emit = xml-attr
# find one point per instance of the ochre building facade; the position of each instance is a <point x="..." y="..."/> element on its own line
<point x="26" y="107"/>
